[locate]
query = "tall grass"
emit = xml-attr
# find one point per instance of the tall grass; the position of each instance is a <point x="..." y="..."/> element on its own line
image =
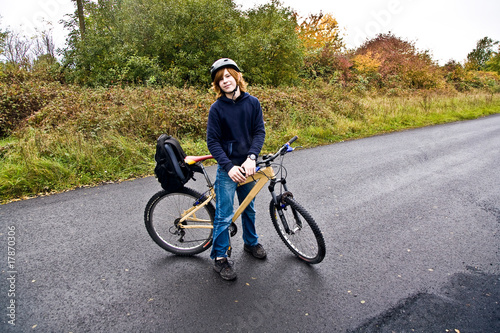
<point x="320" y="119"/>
<point x="39" y="162"/>
<point x="89" y="136"/>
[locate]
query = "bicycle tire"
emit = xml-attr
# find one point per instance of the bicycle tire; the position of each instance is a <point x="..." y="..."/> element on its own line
<point x="161" y="216"/>
<point x="305" y="241"/>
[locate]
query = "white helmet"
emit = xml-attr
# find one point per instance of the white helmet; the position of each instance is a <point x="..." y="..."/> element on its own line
<point x="222" y="63"/>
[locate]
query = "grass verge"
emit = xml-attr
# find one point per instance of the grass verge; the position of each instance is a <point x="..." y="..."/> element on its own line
<point x="88" y="137"/>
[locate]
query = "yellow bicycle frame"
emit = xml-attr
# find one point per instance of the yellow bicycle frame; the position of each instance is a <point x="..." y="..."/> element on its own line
<point x="261" y="177"/>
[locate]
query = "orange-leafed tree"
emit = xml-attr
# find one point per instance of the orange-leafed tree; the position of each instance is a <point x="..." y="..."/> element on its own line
<point x="402" y="65"/>
<point x="320" y="30"/>
<point x="366" y="63"/>
<point x="323" y="45"/>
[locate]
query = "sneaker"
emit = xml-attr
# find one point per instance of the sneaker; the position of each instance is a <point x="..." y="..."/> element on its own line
<point x="257" y="251"/>
<point x="225" y="269"/>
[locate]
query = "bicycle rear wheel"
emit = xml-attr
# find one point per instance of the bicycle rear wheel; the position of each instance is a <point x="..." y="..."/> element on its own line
<point x="162" y="218"/>
<point x="304" y="237"/>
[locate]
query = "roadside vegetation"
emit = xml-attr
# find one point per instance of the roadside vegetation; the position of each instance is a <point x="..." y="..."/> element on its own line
<point x="133" y="70"/>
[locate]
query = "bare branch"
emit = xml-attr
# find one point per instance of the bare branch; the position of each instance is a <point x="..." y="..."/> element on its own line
<point x="17" y="49"/>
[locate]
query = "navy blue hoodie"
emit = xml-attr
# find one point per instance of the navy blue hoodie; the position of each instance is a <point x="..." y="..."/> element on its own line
<point x="235" y="130"/>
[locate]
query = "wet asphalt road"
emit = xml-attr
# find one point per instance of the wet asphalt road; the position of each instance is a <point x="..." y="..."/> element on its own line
<point x="411" y="222"/>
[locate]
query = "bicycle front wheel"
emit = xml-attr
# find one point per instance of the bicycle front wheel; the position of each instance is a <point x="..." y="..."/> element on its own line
<point x="298" y="230"/>
<point x="162" y="218"/>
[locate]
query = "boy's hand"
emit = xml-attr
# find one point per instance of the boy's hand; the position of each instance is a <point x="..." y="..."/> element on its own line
<point x="249" y="166"/>
<point x="237" y="174"/>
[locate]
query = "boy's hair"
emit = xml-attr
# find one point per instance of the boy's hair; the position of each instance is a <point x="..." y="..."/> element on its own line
<point x="240" y="82"/>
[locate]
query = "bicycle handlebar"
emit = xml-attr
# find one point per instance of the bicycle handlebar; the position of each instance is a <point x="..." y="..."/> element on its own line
<point x="282" y="151"/>
<point x="292" y="140"/>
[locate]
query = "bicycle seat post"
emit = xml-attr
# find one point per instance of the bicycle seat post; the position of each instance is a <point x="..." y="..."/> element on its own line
<point x="207" y="178"/>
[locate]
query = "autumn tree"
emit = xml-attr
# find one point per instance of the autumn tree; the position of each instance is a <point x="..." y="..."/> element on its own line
<point x="366" y="63"/>
<point x="323" y="46"/>
<point x="318" y="31"/>
<point x="398" y="63"/>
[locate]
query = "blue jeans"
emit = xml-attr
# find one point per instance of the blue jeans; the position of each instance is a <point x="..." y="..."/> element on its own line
<point x="225" y="189"/>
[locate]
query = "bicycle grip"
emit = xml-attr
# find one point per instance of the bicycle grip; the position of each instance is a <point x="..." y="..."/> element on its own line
<point x="292" y="140"/>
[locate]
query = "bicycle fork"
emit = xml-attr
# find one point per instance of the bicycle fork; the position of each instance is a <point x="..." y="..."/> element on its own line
<point x="279" y="203"/>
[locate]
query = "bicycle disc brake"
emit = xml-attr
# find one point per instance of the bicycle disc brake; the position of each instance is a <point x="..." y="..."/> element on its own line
<point x="282" y="197"/>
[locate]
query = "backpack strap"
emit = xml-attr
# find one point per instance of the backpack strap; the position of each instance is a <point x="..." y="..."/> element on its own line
<point x="174" y="142"/>
<point x="174" y="158"/>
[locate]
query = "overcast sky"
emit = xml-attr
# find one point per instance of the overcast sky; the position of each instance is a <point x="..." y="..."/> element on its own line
<point x="449" y="29"/>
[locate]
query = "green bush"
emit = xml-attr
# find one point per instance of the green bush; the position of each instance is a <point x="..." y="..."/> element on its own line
<point x="140" y="70"/>
<point x="172" y="42"/>
<point x="22" y="93"/>
<point x="466" y="80"/>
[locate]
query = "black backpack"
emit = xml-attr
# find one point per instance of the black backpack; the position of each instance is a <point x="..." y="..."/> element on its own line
<point x="171" y="170"/>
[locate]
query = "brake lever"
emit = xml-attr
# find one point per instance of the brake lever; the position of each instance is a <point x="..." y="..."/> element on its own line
<point x="286" y="149"/>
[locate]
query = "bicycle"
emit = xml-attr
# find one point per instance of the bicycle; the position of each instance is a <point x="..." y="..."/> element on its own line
<point x="181" y="221"/>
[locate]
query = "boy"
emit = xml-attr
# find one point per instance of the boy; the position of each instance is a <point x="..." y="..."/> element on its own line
<point x="235" y="136"/>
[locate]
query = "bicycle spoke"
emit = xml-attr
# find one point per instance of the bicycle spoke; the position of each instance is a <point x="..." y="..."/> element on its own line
<point x="302" y="236"/>
<point x="163" y="220"/>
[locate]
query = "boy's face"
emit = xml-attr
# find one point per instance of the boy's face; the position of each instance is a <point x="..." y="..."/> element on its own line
<point x="227" y="83"/>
